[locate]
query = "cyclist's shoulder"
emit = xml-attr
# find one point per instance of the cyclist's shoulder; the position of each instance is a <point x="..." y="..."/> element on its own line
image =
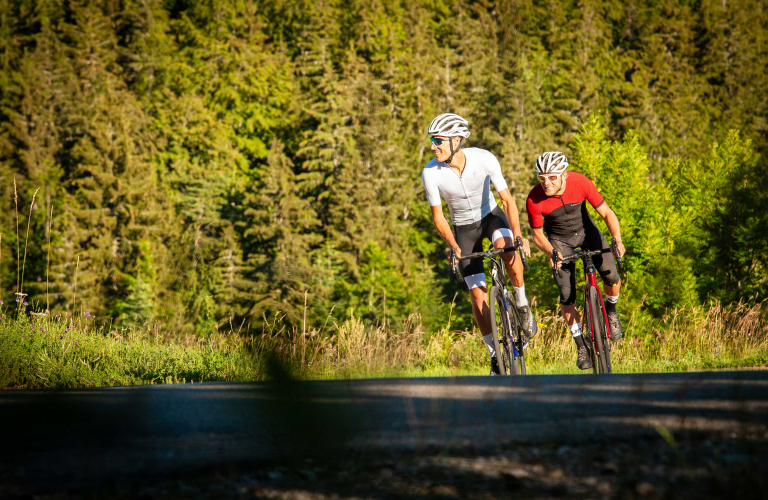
<point x="578" y="178"/>
<point x="433" y="165"/>
<point x="479" y="154"/>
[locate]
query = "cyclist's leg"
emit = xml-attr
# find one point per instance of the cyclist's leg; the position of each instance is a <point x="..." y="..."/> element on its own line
<point x="605" y="263"/>
<point x="501" y="235"/>
<point x="497" y="230"/>
<point x="470" y="240"/>
<point x="606" y="267"/>
<point x="566" y="282"/>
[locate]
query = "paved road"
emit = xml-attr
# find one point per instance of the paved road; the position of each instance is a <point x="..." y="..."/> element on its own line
<point x="70" y="437"/>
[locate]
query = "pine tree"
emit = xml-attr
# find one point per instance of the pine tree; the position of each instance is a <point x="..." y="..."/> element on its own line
<point x="109" y="204"/>
<point x="279" y="230"/>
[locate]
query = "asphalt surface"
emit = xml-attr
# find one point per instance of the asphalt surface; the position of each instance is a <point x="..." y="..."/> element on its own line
<point x="67" y="438"/>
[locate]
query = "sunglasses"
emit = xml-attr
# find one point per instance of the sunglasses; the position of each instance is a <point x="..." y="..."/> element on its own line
<point x="437" y="141"/>
<point x="551" y="178"/>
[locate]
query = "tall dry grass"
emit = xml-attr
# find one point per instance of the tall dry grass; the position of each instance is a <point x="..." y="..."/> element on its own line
<point x="39" y="352"/>
<point x="688" y="338"/>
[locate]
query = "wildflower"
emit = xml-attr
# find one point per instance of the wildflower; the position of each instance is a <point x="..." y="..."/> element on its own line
<point x="1" y="302"/>
<point x="76" y="343"/>
<point x="61" y="337"/>
<point x="20" y="294"/>
<point x="18" y="299"/>
<point x="87" y="315"/>
<point x="26" y="303"/>
<point x="42" y="329"/>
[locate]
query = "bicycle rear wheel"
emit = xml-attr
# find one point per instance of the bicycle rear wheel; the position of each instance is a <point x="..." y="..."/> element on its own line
<point x="601" y="338"/>
<point x="500" y="330"/>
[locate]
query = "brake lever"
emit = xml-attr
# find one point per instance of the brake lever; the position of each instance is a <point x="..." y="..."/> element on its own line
<point x="456" y="267"/>
<point x="615" y="250"/>
<point x="555" y="260"/>
<point x="519" y="243"/>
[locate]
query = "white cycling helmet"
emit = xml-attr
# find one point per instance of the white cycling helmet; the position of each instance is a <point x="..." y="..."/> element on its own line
<point x="551" y="162"/>
<point x="449" y="125"/>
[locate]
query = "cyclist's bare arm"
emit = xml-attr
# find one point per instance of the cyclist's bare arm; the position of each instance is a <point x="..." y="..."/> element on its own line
<point x="444" y="228"/>
<point x="613" y="224"/>
<point x="513" y="216"/>
<point x="542" y="242"/>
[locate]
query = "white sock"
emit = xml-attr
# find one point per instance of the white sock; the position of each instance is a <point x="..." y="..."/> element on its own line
<point x="489" y="342"/>
<point x="521" y="300"/>
<point x="612" y="298"/>
<point x="575" y="329"/>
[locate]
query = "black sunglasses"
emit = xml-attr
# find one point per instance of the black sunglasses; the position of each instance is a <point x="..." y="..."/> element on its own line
<point x="437" y="141"/>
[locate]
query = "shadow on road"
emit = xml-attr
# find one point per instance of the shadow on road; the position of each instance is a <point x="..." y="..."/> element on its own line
<point x="91" y="437"/>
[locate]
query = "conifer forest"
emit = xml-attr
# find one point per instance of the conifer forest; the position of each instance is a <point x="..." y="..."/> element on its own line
<point x="236" y="162"/>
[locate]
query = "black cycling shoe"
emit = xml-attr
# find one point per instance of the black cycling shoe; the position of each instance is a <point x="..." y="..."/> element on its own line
<point x="613" y="322"/>
<point x="583" y="361"/>
<point x="526" y="316"/>
<point x="494" y="366"/>
<point x="529" y="322"/>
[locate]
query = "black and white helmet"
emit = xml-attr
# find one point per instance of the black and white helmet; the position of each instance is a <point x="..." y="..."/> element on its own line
<point x="449" y="125"/>
<point x="551" y="162"/>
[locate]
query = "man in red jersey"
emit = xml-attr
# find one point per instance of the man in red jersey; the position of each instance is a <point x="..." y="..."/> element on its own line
<point x="557" y="206"/>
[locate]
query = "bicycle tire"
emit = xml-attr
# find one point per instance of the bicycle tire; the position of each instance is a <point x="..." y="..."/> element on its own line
<point x="519" y="360"/>
<point x="587" y="333"/>
<point x="508" y="349"/>
<point x="598" y="320"/>
<point x="498" y="322"/>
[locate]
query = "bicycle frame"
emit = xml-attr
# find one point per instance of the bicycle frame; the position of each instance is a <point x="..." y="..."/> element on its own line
<point x="590" y="281"/>
<point x="499" y="279"/>
<point x="596" y="343"/>
<point x="498" y="282"/>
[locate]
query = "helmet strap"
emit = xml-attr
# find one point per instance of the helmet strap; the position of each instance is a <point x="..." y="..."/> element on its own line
<point x="450" y="146"/>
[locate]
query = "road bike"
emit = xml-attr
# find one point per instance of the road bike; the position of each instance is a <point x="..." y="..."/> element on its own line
<point x="596" y="317"/>
<point x="505" y="318"/>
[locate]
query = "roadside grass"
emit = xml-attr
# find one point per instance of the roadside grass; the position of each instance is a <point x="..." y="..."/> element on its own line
<point x="38" y="352"/>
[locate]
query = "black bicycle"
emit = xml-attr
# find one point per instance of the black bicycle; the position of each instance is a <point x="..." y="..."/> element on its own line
<point x="504" y="315"/>
<point x="594" y="312"/>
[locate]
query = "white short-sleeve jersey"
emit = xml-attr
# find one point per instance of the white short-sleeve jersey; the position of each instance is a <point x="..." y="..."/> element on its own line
<point x="469" y="197"/>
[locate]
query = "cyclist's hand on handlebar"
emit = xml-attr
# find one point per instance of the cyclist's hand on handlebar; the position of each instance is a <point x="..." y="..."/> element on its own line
<point x="621" y="248"/>
<point x="456" y="252"/>
<point x="559" y="262"/>
<point x="526" y="247"/>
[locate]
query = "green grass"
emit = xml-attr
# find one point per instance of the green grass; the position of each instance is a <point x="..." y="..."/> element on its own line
<point x="36" y="352"/>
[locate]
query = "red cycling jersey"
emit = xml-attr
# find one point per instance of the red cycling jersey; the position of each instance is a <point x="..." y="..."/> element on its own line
<point x="565" y="216"/>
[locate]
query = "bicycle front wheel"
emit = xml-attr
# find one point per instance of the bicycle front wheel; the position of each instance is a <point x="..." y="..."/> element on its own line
<point x="587" y="334"/>
<point x="500" y="330"/>
<point x="518" y="354"/>
<point x="601" y="338"/>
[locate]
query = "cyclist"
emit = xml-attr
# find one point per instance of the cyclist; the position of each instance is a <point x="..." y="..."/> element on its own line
<point x="463" y="176"/>
<point x="557" y="205"/>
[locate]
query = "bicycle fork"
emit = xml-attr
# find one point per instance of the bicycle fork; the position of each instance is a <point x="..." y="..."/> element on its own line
<point x="494" y="275"/>
<point x="511" y="340"/>
<point x="592" y="283"/>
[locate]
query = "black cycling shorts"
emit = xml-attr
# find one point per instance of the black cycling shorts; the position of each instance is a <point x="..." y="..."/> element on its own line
<point x="470" y="240"/>
<point x="605" y="263"/>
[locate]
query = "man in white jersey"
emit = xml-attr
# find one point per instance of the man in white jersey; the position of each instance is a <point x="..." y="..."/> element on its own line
<point x="462" y="177"/>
